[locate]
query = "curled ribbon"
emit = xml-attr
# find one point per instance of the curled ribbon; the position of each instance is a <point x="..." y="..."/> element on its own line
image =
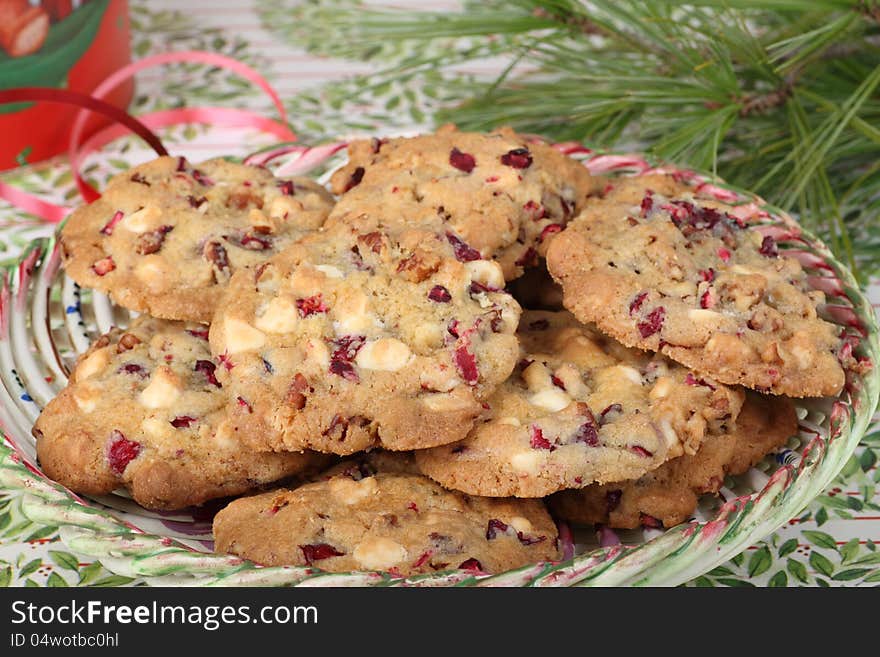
<point x="141" y="126"/>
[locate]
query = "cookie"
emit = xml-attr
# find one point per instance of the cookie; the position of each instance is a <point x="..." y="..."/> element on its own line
<point x="669" y="494"/>
<point x="579" y="409"/>
<point x="165" y="237"/>
<point x="687" y="277"/>
<point x="498" y="194"/>
<point x="144" y="411"/>
<point x="350" y="340"/>
<point x="405" y="524"/>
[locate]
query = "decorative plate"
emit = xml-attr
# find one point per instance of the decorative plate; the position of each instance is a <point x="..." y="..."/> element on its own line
<point x="46" y="321"/>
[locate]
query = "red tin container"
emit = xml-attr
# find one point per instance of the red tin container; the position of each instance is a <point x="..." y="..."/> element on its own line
<point x="70" y="44"/>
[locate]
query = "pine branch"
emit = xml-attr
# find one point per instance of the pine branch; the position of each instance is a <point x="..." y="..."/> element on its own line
<point x="780" y="96"/>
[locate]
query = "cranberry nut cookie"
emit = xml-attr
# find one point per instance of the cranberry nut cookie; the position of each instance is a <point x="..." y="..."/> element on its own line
<point x="165" y="237"/>
<point x="349" y="340"/>
<point x="581" y="408"/>
<point x="145" y="411"/>
<point x="669" y="494"/>
<point x="658" y="268"/>
<point x="499" y="195"/>
<point x="405" y="524"/>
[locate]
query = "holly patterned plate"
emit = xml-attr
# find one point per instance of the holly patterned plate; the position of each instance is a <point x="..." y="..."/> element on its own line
<point x="46" y="320"/>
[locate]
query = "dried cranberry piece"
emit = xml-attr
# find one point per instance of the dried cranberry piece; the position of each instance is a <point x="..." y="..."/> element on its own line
<point x="152" y="241"/>
<point x="529" y="258"/>
<point x="244" y="404"/>
<point x="466" y="363"/>
<point x="494" y="527"/>
<point x="707" y="275"/>
<point x="198" y="333"/>
<point x="182" y="421"/>
<point x="319" y="551"/>
<point x="707" y="299"/>
<point x="471" y="564"/>
<point x="311" y="305"/>
<point x="121" y="452"/>
<point x="110" y="225"/>
<point x="588" y="432"/>
<point x="636" y="303"/>
<point x="181" y="164"/>
<point x="650" y="521"/>
<point x="196" y="202"/>
<point x="286" y="187"/>
<point x="527" y="540"/>
<point x="612" y="500"/>
<point x="647" y="203"/>
<point x="356" y="176"/>
<point x="535" y="210"/>
<point x="253" y="243"/>
<point x="207" y="368"/>
<point x="418" y="563"/>
<point x="463" y="252"/>
<point x="538" y="441"/>
<point x="479" y="288"/>
<point x="133" y="368"/>
<point x="557" y="381"/>
<point x="723" y="253"/>
<point x="439" y="294"/>
<point x="641" y="451"/>
<point x="138" y="178"/>
<point x="518" y="158"/>
<point x="768" y="247"/>
<point x="346" y="350"/>
<point x="462" y="161"/>
<point x="653" y="322"/>
<point x="691" y="380"/>
<point x="201" y="178"/>
<point x="104" y="266"/>
<point x="611" y="409"/>
<point x="452" y="329"/>
<point x="549" y="230"/>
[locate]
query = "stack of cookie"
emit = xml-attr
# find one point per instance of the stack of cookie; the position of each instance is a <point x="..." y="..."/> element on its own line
<point x="476" y="326"/>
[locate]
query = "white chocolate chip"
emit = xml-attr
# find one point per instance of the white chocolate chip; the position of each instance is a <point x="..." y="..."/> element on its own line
<point x="703" y="315"/>
<point x="551" y="399"/>
<point x="317" y="354"/>
<point x="143" y="220"/>
<point x="241" y="336"/>
<point x="282" y="207"/>
<point x="527" y="462"/>
<point x="86" y="397"/>
<point x="351" y="313"/>
<point x="570" y="377"/>
<point x="385" y="354"/>
<point x="520" y="524"/>
<point x="661" y="388"/>
<point x="348" y="491"/>
<point x="668" y="433"/>
<point x="259" y="220"/>
<point x="155" y="272"/>
<point x="631" y="373"/>
<point x="280" y="316"/>
<point x="509" y="421"/>
<point x="486" y="272"/>
<point x="163" y="390"/>
<point x="224" y="437"/>
<point x="537" y="376"/>
<point x="330" y="271"/>
<point x="93" y="363"/>
<point x="445" y="402"/>
<point x="377" y="553"/>
<point x="156" y="428"/>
